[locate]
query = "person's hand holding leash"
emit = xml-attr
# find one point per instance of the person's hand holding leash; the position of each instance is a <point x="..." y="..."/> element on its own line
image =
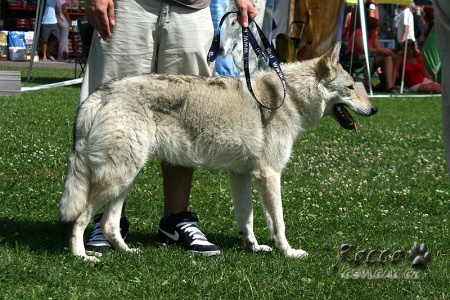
<point x="100" y="14"/>
<point x="246" y="8"/>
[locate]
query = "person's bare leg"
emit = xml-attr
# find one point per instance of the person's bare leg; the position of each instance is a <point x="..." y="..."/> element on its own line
<point x="44" y="51"/>
<point x="177" y="183"/>
<point x="51" y="46"/>
<point x="387" y="70"/>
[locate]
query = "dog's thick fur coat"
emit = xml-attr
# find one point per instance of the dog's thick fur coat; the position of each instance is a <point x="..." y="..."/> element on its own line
<point x="195" y="121"/>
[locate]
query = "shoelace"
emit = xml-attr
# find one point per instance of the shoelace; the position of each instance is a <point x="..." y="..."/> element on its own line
<point x="97" y="234"/>
<point x="192" y="229"/>
<point x="97" y="238"/>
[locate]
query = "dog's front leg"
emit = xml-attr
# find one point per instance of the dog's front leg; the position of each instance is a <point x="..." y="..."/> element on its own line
<point x="241" y="192"/>
<point x="269" y="188"/>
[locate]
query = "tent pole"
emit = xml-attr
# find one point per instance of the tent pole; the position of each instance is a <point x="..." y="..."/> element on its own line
<point x="37" y="30"/>
<point x="362" y="13"/>
<point x="355" y="11"/>
<point x="403" y="67"/>
<point x="404" y="56"/>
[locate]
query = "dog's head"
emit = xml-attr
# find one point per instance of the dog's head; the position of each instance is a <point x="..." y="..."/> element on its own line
<point x="339" y="92"/>
<point x="230" y="37"/>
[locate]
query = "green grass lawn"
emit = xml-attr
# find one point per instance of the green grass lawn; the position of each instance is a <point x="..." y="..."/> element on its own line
<point x="384" y="189"/>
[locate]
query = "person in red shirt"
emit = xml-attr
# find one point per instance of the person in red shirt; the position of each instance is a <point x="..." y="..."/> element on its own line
<point x="417" y="79"/>
<point x="380" y="57"/>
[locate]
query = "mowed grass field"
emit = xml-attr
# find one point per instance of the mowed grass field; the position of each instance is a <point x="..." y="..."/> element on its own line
<point x="384" y="189"/>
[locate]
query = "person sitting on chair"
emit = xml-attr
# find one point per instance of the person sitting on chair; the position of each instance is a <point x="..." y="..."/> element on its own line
<point x="380" y="57"/>
<point x="417" y="78"/>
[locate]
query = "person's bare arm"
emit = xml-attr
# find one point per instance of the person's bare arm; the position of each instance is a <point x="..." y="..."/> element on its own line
<point x="397" y="62"/>
<point x="66" y="13"/>
<point x="424" y="69"/>
<point x="378" y="50"/>
<point x="405" y="33"/>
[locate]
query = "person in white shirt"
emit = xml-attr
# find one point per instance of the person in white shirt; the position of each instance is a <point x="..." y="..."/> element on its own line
<point x="405" y="25"/>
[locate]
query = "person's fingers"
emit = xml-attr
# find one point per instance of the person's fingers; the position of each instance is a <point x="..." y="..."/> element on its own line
<point x="252" y="12"/>
<point x="101" y="24"/>
<point x="100" y="14"/>
<point x="111" y="16"/>
<point x="245" y="11"/>
<point x="244" y="17"/>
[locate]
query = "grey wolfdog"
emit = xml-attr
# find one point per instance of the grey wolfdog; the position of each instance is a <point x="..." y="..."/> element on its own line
<point x="196" y="121"/>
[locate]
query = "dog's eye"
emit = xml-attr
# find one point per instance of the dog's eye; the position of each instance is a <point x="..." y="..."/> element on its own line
<point x="351" y="87"/>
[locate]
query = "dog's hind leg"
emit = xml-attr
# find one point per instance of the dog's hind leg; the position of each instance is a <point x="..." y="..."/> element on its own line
<point x="76" y="239"/>
<point x="241" y="192"/>
<point x="110" y="222"/>
<point x="119" y="148"/>
<point x="268" y="184"/>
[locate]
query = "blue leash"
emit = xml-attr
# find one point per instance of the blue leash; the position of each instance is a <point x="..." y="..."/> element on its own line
<point x="247" y="40"/>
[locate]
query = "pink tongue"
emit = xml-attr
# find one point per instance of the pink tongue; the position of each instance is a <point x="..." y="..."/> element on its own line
<point x="355" y="126"/>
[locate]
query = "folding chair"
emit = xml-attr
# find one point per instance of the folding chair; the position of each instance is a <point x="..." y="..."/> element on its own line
<point x="287" y="46"/>
<point x="354" y="66"/>
<point x="82" y="45"/>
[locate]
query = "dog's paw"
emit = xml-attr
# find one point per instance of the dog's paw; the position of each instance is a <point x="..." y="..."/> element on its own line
<point x="134" y="250"/>
<point x="297" y="253"/>
<point x="263" y="248"/>
<point x="90" y="259"/>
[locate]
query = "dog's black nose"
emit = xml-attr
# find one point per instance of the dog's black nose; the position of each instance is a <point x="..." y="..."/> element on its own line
<point x="374" y="110"/>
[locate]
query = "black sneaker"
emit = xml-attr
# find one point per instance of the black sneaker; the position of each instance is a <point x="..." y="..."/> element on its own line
<point x="97" y="243"/>
<point x="182" y="229"/>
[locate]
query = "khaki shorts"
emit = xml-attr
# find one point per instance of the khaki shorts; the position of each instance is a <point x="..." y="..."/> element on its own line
<point x="150" y="36"/>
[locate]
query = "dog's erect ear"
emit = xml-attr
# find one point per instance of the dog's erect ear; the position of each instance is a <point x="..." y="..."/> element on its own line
<point x="334" y="52"/>
<point x="327" y="62"/>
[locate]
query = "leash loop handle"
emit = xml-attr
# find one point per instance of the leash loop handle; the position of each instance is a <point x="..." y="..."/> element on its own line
<point x="249" y="39"/>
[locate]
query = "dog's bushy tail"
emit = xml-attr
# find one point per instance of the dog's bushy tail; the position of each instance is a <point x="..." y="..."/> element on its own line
<point x="77" y="182"/>
<point x="75" y="193"/>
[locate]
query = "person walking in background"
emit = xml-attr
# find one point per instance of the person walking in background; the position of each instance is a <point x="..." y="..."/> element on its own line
<point x="417" y="78"/>
<point x="63" y="25"/>
<point x="442" y="24"/>
<point x="161" y="36"/>
<point x="49" y="34"/>
<point x="405" y="25"/>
